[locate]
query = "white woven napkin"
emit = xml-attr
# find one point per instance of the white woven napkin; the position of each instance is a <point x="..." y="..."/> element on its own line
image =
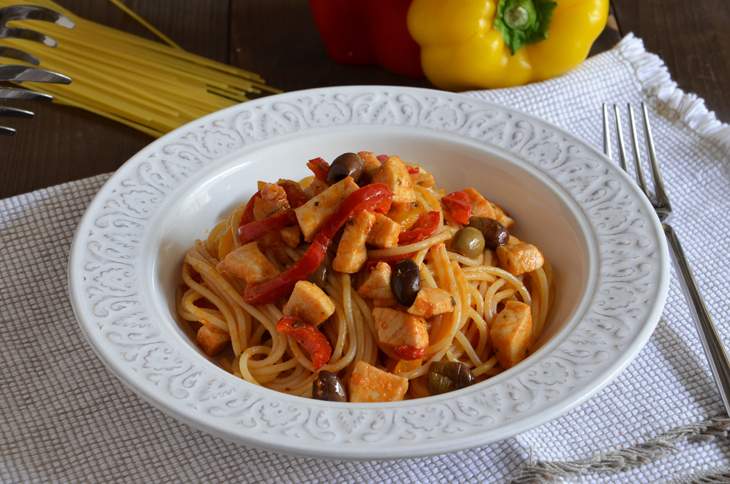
<point x="65" y="418"/>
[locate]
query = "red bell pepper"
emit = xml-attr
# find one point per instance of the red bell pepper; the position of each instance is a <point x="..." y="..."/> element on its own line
<point x="368" y="32"/>
<point x="248" y="211"/>
<point x="408" y="352"/>
<point x="309" y="337"/>
<point x="424" y="227"/>
<point x="384" y="205"/>
<point x="369" y="197"/>
<point x="319" y="167"/>
<point x="269" y="291"/>
<point x="458" y="207"/>
<point x="254" y="230"/>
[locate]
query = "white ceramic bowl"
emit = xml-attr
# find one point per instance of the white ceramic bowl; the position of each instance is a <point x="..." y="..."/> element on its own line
<point x="595" y="227"/>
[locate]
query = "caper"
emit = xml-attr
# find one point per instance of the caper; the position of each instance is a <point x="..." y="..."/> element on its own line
<point x="347" y="164"/>
<point x="406" y="282"/>
<point x="494" y="232"/>
<point x="328" y="386"/>
<point x="445" y="376"/>
<point x="469" y="242"/>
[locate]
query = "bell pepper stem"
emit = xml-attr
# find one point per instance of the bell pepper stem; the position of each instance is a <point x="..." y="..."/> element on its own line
<point x="520" y="15"/>
<point x="523" y="21"/>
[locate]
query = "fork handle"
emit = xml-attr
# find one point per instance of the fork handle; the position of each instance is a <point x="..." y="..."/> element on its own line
<point x="711" y="342"/>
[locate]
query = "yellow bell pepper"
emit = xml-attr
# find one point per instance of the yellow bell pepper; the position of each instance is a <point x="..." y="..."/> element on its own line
<point x="467" y="44"/>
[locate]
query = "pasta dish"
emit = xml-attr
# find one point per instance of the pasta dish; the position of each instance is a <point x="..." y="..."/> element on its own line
<point x="365" y="282"/>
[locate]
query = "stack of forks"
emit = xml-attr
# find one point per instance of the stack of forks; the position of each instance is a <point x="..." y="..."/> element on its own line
<point x="17" y="73"/>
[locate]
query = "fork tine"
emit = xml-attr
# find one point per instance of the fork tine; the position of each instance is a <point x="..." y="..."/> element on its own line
<point x="23" y="94"/>
<point x="620" y="132"/>
<point x="27" y="34"/>
<point x="31" y="12"/>
<point x="15" y="112"/>
<point x="18" y="73"/>
<point x="661" y="194"/>
<point x="13" y="53"/>
<point x="606" y="131"/>
<point x="5" y="131"/>
<point x="34" y="12"/>
<point x="637" y="152"/>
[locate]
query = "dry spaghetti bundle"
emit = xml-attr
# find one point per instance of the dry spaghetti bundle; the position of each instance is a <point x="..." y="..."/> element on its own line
<point x="142" y="83"/>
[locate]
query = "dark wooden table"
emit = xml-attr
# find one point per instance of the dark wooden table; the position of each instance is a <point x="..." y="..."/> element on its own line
<point x="63" y="144"/>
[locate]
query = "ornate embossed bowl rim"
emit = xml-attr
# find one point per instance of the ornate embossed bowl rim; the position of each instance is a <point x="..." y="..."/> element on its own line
<point x="104" y="277"/>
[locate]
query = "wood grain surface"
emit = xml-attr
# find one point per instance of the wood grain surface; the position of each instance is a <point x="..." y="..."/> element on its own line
<point x="693" y="38"/>
<point x="277" y="39"/>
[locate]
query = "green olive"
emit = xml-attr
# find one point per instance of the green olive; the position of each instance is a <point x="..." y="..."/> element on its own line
<point x="469" y="242"/>
<point x="438" y="383"/>
<point x="445" y="376"/>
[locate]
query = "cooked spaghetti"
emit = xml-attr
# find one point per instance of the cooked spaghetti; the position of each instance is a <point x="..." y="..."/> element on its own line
<point x="365" y="283"/>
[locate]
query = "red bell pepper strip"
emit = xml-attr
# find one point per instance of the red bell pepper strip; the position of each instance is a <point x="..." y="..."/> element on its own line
<point x="247" y="216"/>
<point x="319" y="167"/>
<point x="368" y="32"/>
<point x="424" y="227"/>
<point x="413" y="170"/>
<point x="369" y="197"/>
<point x="254" y="230"/>
<point x="309" y="337"/>
<point x="294" y="193"/>
<point x="270" y="290"/>
<point x="384" y="205"/>
<point x="382" y="158"/>
<point x="408" y="352"/>
<point x="458" y="207"/>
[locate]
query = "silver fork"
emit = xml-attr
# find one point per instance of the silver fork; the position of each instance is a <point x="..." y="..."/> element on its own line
<point x="20" y="73"/>
<point x="711" y="342"/>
